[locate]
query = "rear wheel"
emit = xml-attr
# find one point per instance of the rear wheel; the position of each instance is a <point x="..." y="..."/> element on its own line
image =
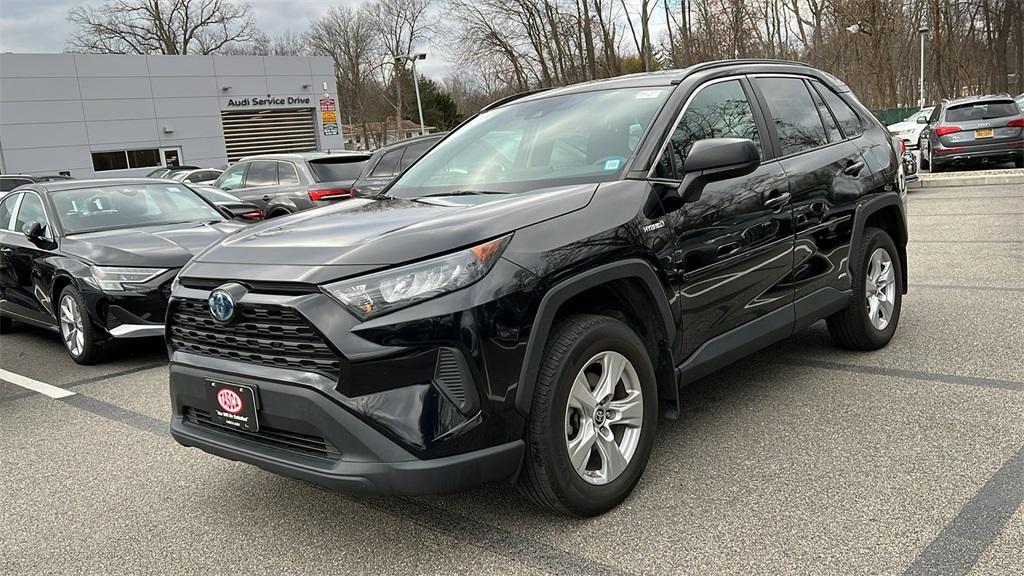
<point x="76" y="329"/>
<point x="592" y="422"/>
<point x="870" y="320"/>
<point x="1018" y="162"/>
<point x="6" y="324"/>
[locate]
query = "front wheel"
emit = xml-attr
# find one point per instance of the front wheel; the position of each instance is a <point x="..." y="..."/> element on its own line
<point x="870" y="320"/>
<point x="76" y="329"/>
<point x="593" y="417"/>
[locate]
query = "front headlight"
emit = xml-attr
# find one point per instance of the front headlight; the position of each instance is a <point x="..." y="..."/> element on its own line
<point x="390" y="290"/>
<point x="113" y="278"/>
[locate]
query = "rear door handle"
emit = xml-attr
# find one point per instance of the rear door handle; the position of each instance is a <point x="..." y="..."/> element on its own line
<point x="775" y="203"/>
<point x="854" y="169"/>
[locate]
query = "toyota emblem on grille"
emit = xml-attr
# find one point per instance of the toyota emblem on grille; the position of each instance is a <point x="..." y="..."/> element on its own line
<point x="222" y="305"/>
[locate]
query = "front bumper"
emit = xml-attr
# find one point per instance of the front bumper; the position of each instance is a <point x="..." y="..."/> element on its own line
<point x="137" y="312"/>
<point x="363" y="460"/>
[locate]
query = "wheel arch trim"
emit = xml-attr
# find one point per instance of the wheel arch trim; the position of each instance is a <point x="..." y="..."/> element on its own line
<point x="559" y="294"/>
<point x="872" y="206"/>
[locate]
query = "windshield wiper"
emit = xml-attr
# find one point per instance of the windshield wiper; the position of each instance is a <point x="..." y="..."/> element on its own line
<point x="462" y="193"/>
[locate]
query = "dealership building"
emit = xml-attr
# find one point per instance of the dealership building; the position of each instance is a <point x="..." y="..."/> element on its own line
<point x="100" y="115"/>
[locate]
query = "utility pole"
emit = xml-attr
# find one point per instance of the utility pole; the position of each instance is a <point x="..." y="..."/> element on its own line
<point x="415" y="82"/>
<point x="922" y="31"/>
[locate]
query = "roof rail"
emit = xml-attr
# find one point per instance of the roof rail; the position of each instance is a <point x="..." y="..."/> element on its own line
<point x="719" y="63"/>
<point x="516" y="96"/>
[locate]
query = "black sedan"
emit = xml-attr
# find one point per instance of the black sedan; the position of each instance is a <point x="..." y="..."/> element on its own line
<point x="94" y="259"/>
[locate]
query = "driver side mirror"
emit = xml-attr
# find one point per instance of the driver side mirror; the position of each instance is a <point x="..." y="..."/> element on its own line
<point x="33" y="230"/>
<point x="922" y="119"/>
<point x="716" y="159"/>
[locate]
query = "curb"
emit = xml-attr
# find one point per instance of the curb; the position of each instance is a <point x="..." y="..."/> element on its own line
<point x="966" y="180"/>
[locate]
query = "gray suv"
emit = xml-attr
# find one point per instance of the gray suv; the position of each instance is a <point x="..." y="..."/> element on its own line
<point x="978" y="128"/>
<point x="281" y="184"/>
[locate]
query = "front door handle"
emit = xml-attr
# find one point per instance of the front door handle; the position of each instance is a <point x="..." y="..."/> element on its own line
<point x="775" y="203"/>
<point x="854" y="169"/>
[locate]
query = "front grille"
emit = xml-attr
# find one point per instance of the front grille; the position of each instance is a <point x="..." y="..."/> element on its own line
<point x="272" y="437"/>
<point x="261" y="334"/>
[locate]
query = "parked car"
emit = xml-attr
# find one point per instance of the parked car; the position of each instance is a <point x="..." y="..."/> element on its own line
<point x="195" y="176"/>
<point x="281" y="184"/>
<point x="229" y="204"/>
<point x="974" y="129"/>
<point x="163" y="171"/>
<point x="1020" y="100"/>
<point x="389" y="161"/>
<point x="9" y="182"/>
<point x="94" y="259"/>
<point x="909" y="129"/>
<point x="521" y="307"/>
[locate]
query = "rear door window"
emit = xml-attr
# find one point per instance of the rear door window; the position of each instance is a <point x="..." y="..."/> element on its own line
<point x="831" y="128"/>
<point x="7" y="211"/>
<point x="796" y="117"/>
<point x="414" y="151"/>
<point x="388" y="164"/>
<point x="261" y="173"/>
<point x="847" y="118"/>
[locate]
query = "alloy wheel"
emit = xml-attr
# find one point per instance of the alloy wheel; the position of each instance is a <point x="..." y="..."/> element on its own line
<point x="71" y="327"/>
<point x="604" y="418"/>
<point x="880" y="288"/>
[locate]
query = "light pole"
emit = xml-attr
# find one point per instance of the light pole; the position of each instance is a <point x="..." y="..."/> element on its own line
<point x="415" y="83"/>
<point x="922" y="31"/>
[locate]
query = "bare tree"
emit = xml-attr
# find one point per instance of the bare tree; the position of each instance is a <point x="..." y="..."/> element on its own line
<point x="161" y="27"/>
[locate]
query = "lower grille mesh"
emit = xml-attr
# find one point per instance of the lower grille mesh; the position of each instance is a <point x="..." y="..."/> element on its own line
<point x="272" y="437"/>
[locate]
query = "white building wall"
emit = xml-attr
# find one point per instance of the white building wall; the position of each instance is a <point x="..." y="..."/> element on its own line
<point x="56" y="109"/>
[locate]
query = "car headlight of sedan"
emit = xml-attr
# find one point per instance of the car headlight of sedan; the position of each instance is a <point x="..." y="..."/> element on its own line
<point x="390" y="290"/>
<point x="114" y="278"/>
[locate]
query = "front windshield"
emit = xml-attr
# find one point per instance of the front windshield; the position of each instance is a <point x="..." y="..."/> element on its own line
<point x="129" y="205"/>
<point x="559" y="140"/>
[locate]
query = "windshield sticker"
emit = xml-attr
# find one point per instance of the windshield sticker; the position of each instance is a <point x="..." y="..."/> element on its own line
<point x="612" y="164"/>
<point x="646" y="94"/>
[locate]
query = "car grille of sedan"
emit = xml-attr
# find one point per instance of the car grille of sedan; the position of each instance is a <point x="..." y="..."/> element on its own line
<point x="272" y="437"/>
<point x="261" y="334"/>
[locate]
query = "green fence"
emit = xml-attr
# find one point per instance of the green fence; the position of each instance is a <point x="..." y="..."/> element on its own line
<point x="894" y="115"/>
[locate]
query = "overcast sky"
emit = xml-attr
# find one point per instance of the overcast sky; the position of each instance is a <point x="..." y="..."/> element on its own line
<point x="40" y="25"/>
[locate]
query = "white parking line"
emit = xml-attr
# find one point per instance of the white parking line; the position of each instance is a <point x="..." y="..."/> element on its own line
<point x="34" y="385"/>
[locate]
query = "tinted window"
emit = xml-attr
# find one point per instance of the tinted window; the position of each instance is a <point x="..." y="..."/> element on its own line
<point x="231" y="178"/>
<point x="845" y="115"/>
<point x="981" y="111"/>
<point x="31" y="209"/>
<point x="7" y="210"/>
<point x="719" y="110"/>
<point x="261" y="173"/>
<point x="831" y="128"/>
<point x="126" y="206"/>
<point x="388" y="164"/>
<point x="795" y="116"/>
<point x="8" y="184"/>
<point x="414" y="151"/>
<point x="143" y="158"/>
<point x="286" y="173"/>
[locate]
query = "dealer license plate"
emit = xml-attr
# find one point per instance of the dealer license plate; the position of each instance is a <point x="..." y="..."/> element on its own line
<point x="233" y="405"/>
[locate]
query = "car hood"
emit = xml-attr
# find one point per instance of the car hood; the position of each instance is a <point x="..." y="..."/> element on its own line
<point x="166" y="246"/>
<point x="904" y="126"/>
<point x="385" y="231"/>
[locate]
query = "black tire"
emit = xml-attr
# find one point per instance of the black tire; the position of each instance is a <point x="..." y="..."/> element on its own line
<point x="936" y="168"/>
<point x="924" y="160"/>
<point x="548" y="477"/>
<point x="92" y="350"/>
<point x="851" y="327"/>
<point x="6" y="324"/>
<point x="1018" y="162"/>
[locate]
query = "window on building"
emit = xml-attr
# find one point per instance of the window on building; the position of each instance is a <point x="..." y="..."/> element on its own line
<point x="124" y="159"/>
<point x="795" y="115"/>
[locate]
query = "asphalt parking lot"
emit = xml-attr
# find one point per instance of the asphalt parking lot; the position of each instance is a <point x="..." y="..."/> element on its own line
<point x="800" y="459"/>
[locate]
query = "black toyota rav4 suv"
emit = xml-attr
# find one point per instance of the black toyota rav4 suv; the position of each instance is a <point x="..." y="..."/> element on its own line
<point x="526" y="299"/>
